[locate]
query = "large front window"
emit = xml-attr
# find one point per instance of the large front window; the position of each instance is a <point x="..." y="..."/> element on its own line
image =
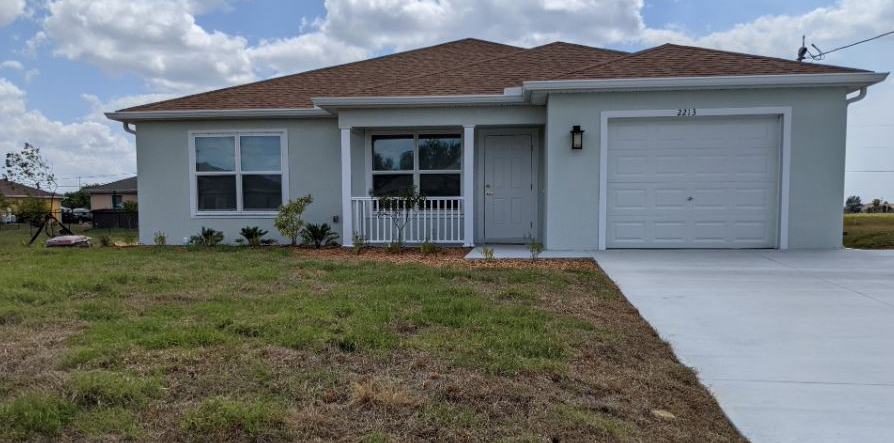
<point x="239" y="172"/>
<point x="431" y="162"/>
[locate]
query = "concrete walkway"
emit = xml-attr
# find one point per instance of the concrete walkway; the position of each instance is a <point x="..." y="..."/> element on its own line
<point x="796" y="346"/>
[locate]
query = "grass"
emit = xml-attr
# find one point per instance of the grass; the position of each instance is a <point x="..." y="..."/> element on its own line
<point x="869" y="231"/>
<point x="278" y="344"/>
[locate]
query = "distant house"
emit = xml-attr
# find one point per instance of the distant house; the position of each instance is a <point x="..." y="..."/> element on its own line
<point x="16" y="193"/>
<point x="113" y="195"/>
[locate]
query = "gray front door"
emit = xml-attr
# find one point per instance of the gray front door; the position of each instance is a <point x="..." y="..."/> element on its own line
<point x="508" y="188"/>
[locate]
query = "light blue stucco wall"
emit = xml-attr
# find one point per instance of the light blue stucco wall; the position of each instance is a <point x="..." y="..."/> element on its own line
<point x="819" y="118"/>
<point x="163" y="175"/>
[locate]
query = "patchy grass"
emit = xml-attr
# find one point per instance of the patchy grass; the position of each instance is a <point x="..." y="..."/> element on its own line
<point x="280" y="344"/>
<point x="869" y="231"/>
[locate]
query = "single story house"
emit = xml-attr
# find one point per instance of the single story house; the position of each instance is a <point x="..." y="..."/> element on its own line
<point x="15" y="193"/>
<point x="583" y="148"/>
<point x="113" y="195"/>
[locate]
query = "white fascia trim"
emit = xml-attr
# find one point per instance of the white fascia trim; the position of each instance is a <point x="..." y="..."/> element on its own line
<point x="853" y="80"/>
<point x="133" y="116"/>
<point x="418" y="100"/>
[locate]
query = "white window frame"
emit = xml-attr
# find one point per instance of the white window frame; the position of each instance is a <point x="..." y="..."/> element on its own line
<point x="237" y="134"/>
<point x="416" y="172"/>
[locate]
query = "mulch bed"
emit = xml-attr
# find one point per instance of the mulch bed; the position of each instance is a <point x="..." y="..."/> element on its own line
<point x="452" y="256"/>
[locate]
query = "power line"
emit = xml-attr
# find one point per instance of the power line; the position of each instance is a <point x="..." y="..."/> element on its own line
<point x="804" y="52"/>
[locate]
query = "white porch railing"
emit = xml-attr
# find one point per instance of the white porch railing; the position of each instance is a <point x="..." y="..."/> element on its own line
<point x="438" y="220"/>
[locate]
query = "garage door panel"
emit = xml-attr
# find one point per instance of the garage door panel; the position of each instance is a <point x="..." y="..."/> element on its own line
<point x="693" y="183"/>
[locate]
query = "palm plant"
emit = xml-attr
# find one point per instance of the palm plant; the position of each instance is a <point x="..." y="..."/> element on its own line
<point x="318" y="235"/>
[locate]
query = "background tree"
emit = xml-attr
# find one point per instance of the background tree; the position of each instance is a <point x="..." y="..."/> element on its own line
<point x="853" y="203"/>
<point x="77" y="199"/>
<point x="289" y="222"/>
<point x="30" y="168"/>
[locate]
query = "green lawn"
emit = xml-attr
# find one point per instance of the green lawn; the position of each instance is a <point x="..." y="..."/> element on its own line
<point x="279" y="344"/>
<point x="869" y="231"/>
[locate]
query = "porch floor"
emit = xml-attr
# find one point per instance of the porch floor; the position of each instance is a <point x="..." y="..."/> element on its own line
<point x="521" y="251"/>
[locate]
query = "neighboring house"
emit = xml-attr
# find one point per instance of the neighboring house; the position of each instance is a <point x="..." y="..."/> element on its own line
<point x="15" y="193"/>
<point x="581" y="147"/>
<point x="113" y="195"/>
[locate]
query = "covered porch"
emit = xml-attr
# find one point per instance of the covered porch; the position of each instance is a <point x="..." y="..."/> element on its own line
<point x="481" y="182"/>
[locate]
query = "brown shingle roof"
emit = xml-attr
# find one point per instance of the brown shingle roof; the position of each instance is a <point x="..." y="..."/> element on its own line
<point x="124" y="186"/>
<point x="473" y="66"/>
<point x="493" y="75"/>
<point x="13" y="189"/>
<point x="670" y="60"/>
<point x="295" y="91"/>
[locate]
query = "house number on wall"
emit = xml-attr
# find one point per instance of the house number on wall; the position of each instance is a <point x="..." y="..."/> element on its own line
<point x="687" y="112"/>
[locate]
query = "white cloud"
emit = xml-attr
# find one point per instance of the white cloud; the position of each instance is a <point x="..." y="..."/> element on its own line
<point x="11" y="10"/>
<point x="83" y="148"/>
<point x="12" y="64"/>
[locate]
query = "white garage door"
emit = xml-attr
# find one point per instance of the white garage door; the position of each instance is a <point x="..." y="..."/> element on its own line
<point x="693" y="182"/>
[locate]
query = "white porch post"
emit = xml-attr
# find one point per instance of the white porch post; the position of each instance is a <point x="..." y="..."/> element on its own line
<point x="469" y="185"/>
<point x="347" y="216"/>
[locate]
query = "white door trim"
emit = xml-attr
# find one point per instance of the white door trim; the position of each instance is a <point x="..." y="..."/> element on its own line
<point x="784" y="111"/>
<point x="479" y="175"/>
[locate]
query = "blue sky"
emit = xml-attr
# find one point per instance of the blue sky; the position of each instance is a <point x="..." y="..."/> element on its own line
<point x="63" y="62"/>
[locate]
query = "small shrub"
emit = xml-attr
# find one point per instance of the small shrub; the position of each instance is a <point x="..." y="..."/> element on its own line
<point x="289" y="222"/>
<point x="32" y="415"/>
<point x="129" y="237"/>
<point x="359" y="243"/>
<point x="395" y="246"/>
<point x="222" y="418"/>
<point x="105" y="241"/>
<point x="318" y="235"/>
<point x="161" y="239"/>
<point x="208" y="237"/>
<point x="488" y="252"/>
<point x="108" y="388"/>
<point x="253" y="235"/>
<point x="428" y="247"/>
<point x="534" y="247"/>
<point x="268" y="241"/>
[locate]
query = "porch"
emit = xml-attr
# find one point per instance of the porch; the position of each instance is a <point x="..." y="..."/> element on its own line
<point x="480" y="184"/>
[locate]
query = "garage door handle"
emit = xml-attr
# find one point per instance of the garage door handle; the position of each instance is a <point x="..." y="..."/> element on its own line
<point x="690" y="199"/>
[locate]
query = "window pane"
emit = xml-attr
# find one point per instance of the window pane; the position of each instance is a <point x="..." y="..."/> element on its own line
<point x="392" y="152"/>
<point x="390" y="184"/>
<point x="260" y="152"/>
<point x="440" y="152"/>
<point x="215" y="153"/>
<point x="439" y="185"/>
<point x="217" y="192"/>
<point x="261" y="192"/>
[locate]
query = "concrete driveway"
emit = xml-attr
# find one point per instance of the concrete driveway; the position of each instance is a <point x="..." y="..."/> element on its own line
<point x="796" y="346"/>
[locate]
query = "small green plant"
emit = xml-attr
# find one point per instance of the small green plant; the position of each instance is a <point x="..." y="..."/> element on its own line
<point x="105" y="241"/>
<point x="535" y="247"/>
<point x="253" y="235"/>
<point x="129" y="206"/>
<point x="359" y="243"/>
<point x="208" y="237"/>
<point x="129" y="237"/>
<point x="289" y="222"/>
<point x="488" y="252"/>
<point x="427" y="247"/>
<point x="318" y="235"/>
<point x="395" y="246"/>
<point x="161" y="239"/>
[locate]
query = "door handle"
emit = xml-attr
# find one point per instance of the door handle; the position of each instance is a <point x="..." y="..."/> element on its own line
<point x="690" y="199"/>
<point x="488" y="190"/>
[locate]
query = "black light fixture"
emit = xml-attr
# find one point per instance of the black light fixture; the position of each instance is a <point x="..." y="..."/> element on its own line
<point x="577" y="137"/>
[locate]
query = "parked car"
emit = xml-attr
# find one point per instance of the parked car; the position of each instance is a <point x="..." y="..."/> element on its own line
<point x="83" y="214"/>
<point x="67" y="215"/>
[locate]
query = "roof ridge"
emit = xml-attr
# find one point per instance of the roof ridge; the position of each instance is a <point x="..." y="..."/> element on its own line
<point x="466" y="65"/>
<point x="596" y="65"/>
<point x="321" y="69"/>
<point x="768" y="57"/>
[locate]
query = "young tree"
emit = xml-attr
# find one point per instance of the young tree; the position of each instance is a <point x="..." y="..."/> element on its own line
<point x="853" y="203"/>
<point x="289" y="222"/>
<point x="30" y="168"/>
<point x="399" y="207"/>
